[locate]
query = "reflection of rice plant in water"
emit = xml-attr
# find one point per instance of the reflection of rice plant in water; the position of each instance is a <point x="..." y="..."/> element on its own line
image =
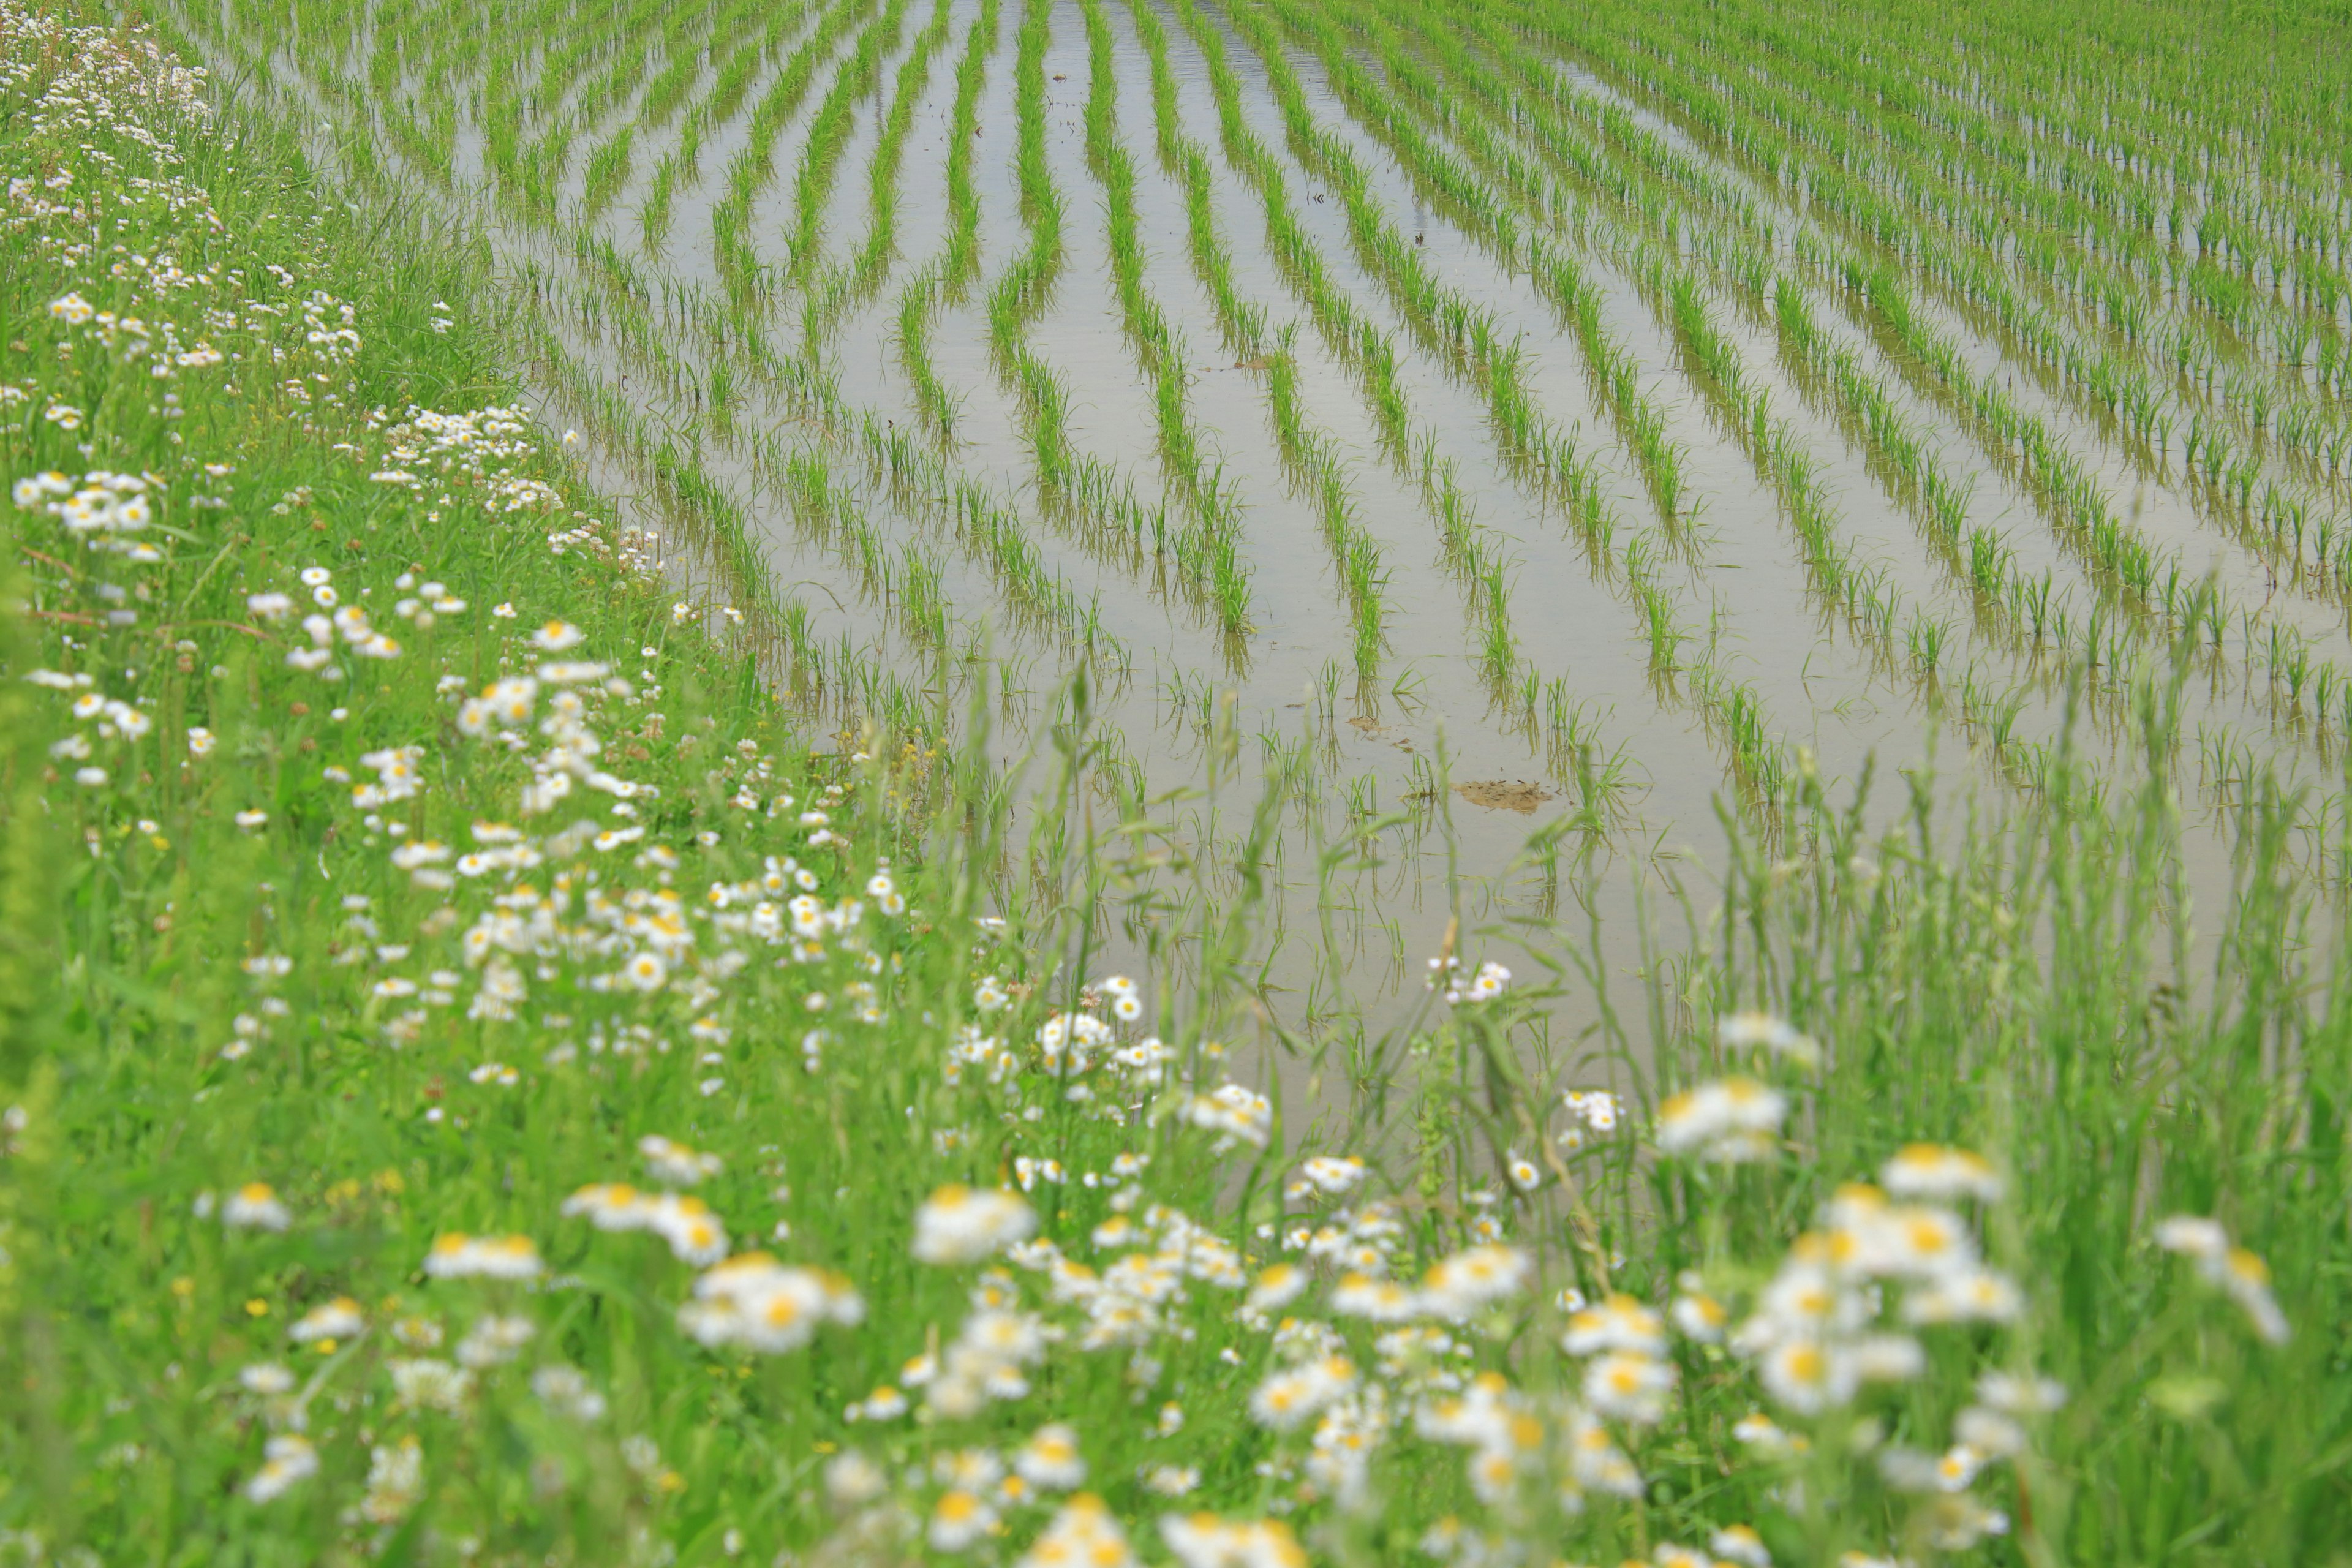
<point x="544" y="537"/>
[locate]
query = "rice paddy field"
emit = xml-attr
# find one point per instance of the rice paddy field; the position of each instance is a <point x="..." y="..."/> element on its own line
<point x="1212" y="782"/>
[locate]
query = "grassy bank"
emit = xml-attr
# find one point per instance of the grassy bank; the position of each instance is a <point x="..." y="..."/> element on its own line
<point x="485" y="1088"/>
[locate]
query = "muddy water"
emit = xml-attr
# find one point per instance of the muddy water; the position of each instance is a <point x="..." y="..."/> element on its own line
<point x="1374" y="740"/>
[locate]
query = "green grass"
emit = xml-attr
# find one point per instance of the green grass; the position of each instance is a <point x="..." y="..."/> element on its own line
<point x="525" y="864"/>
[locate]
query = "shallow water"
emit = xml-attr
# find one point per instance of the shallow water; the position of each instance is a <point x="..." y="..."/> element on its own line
<point x="1731" y="562"/>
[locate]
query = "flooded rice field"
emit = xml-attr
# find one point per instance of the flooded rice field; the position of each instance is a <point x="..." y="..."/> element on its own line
<point x="1509" y="421"/>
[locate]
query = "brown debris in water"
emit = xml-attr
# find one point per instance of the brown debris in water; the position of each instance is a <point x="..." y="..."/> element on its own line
<point x="1510" y="794"/>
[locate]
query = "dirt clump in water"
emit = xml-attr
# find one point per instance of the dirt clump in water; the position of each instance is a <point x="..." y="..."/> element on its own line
<point x="1510" y="794"/>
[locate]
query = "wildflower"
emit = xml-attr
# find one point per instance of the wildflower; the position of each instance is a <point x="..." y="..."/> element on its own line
<point x="1886" y="1358"/>
<point x="1619" y="1323"/>
<point x="71" y="308"/>
<point x="1958" y="1522"/>
<point x="754" y="1301"/>
<point x="457" y="1256"/>
<point x="693" y="1232"/>
<point x="565" y="1391"/>
<point x="675" y="1162"/>
<point x="1740" y="1543"/>
<point x="286" y="1459"/>
<point x="1626" y="1385"/>
<point x="1761" y="1031"/>
<point x="1337" y="1175"/>
<point x="1082" y="1534"/>
<point x="1172" y="1480"/>
<point x="885" y="1403"/>
<point x="1807" y="1376"/>
<point x="249" y="820"/>
<point x="851" y="1481"/>
<point x="958" y="1522"/>
<point x="1382" y="1300"/>
<point x="557" y="635"/>
<point x="1276" y="1288"/>
<point x="1989" y="1432"/>
<point x="610" y="1207"/>
<point x="200" y="740"/>
<point x="1237" y="1112"/>
<point x="1700" y="1317"/>
<point x="1490" y="982"/>
<point x="1457" y="1287"/>
<point x="425" y="1384"/>
<point x="1288" y="1399"/>
<point x="1204" y="1541"/>
<point x="1523" y="1173"/>
<point x="2241" y="1273"/>
<point x="1050" y="1460"/>
<point x="1730" y="1120"/>
<point x="395" y="1481"/>
<point x="2021" y="1395"/>
<point x="266" y="1378"/>
<point x="494" y="1340"/>
<point x="1973" y="1295"/>
<point x="337" y="1319"/>
<point x="1930" y="1170"/>
<point x="960" y="1224"/>
<point x="256" y="1206"/>
<point x="1759" y="1431"/>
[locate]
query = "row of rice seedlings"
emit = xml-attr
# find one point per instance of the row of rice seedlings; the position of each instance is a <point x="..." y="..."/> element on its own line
<point x="1862" y="593"/>
<point x="1525" y="436"/>
<point x="991" y="530"/>
<point x="1194" y="471"/>
<point x="2047" y="196"/>
<point x="1360" y="344"/>
<point x="863" y="275"/>
<point x="1352" y="336"/>
<point x="2070" y="497"/>
<point x="2103" y="642"/>
<point x="1872" y="604"/>
<point x="1146" y="324"/>
<point x="990" y="526"/>
<point x="1021" y="290"/>
<point x="1475" y="556"/>
<point x="731" y="76"/>
<point x="1449" y="320"/>
<point x="1978" y="274"/>
<point x="917" y="302"/>
<point x="1243" y="322"/>
<point x="827" y="135"/>
<point x="740" y="271"/>
<point x="1356" y="341"/>
<point x="1313" y="463"/>
<point x="566" y="51"/>
<point x="963" y="254"/>
<point x="685" y="37"/>
<point x="2030" y="600"/>
<point x="2118" y="390"/>
<point x="1463" y="335"/>
<point x="1488" y="218"/>
<point x="2176" y="598"/>
<point x="2035" y="606"/>
<point x="958" y="260"/>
